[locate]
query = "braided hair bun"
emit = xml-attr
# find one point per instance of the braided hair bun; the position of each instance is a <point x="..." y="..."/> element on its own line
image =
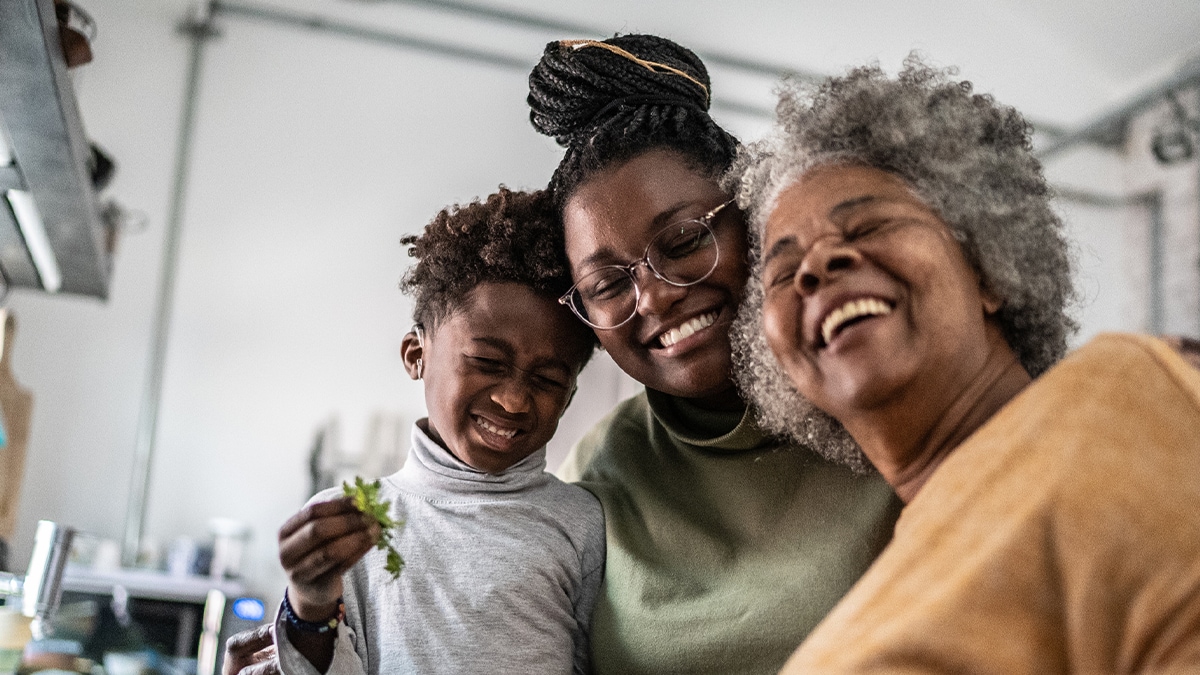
<point x="609" y="101"/>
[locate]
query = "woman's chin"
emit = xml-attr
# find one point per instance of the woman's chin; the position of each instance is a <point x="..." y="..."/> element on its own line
<point x="699" y="383"/>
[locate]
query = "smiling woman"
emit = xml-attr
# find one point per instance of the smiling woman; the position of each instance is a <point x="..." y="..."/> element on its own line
<point x="725" y="545"/>
<point x="908" y="312"/>
<point x="910" y="287"/>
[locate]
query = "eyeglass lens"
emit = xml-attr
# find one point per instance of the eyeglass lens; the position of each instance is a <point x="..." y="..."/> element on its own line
<point x="682" y="254"/>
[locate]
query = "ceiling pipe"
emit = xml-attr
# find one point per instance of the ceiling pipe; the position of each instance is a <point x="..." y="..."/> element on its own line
<point x="772" y="70"/>
<point x="198" y="29"/>
<point x="1109" y="128"/>
<point x="350" y="30"/>
<point x="529" y="20"/>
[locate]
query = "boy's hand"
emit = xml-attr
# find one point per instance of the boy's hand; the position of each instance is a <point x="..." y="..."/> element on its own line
<point x="316" y="546"/>
<point x="251" y="652"/>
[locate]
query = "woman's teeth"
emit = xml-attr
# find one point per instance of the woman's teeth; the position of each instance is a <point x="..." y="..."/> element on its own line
<point x="506" y="433"/>
<point x="850" y="311"/>
<point x="687" y="329"/>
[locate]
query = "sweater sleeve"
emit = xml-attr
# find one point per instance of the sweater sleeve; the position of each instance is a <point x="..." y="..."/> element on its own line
<point x="292" y="662"/>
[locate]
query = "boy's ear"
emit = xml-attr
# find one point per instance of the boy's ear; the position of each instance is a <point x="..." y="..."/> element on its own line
<point x="412" y="352"/>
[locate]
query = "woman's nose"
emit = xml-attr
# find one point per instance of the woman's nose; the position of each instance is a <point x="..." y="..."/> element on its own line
<point x="823" y="263"/>
<point x="656" y="295"/>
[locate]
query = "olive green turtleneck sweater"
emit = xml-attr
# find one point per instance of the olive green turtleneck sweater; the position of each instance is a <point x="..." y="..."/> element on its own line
<point x="725" y="548"/>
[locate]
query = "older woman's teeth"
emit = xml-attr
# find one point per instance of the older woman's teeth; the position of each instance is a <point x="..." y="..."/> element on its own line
<point x="507" y="433"/>
<point x="850" y="311"/>
<point x="687" y="329"/>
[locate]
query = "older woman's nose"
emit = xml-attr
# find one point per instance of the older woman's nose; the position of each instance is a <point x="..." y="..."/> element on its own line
<point x="823" y="263"/>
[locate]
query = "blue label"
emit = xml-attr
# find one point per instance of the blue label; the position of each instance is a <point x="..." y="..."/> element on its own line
<point x="250" y="609"/>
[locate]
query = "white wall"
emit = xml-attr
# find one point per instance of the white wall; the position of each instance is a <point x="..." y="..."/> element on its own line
<point x="314" y="154"/>
<point x="85" y="360"/>
<point x="1179" y="187"/>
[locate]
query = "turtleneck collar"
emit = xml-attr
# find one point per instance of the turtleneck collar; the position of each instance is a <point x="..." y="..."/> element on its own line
<point x="730" y="431"/>
<point x="433" y="471"/>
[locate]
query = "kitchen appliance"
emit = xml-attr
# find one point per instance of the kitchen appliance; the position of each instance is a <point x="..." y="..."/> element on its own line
<point x="183" y="619"/>
<point x="40" y="588"/>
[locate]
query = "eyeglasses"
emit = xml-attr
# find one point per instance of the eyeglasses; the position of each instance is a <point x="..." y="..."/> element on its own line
<point x="681" y="254"/>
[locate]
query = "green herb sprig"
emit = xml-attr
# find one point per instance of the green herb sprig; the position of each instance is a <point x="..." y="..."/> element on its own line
<point x="366" y="499"/>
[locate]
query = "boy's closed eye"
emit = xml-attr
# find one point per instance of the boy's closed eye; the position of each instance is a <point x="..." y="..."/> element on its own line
<point x="548" y="378"/>
<point x="550" y="382"/>
<point x="488" y="365"/>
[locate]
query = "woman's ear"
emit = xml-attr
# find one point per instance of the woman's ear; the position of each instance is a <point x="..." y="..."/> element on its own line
<point x="991" y="302"/>
<point x="412" y="351"/>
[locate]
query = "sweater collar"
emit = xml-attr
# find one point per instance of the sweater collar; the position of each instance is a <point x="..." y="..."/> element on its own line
<point x="730" y="431"/>
<point x="434" y="469"/>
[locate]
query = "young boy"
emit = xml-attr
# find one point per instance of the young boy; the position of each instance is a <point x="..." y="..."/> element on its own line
<point x="503" y="561"/>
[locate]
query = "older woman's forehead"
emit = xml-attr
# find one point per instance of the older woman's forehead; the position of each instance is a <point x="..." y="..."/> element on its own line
<point x="828" y="194"/>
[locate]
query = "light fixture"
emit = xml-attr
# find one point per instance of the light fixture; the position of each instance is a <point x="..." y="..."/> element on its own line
<point x="34" y="231"/>
<point x="1175" y="140"/>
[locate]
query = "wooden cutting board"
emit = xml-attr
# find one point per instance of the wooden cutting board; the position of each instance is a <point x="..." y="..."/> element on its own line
<point x="16" y="407"/>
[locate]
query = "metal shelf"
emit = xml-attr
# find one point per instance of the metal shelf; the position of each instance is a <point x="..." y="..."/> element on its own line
<point x="148" y="584"/>
<point x="39" y="112"/>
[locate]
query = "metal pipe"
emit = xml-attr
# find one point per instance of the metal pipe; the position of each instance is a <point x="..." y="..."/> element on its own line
<point x="528" y="20"/>
<point x="525" y="20"/>
<point x="492" y="58"/>
<point x="1089" y="198"/>
<point x="11" y="584"/>
<point x="199" y="29"/>
<point x="320" y="23"/>
<point x="713" y="58"/>
<point x="209" y="655"/>
<point x="1112" y="123"/>
<point x="43" y="580"/>
<point x="1157" y="265"/>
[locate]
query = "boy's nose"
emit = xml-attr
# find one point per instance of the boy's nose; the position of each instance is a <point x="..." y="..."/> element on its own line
<point x="513" y="395"/>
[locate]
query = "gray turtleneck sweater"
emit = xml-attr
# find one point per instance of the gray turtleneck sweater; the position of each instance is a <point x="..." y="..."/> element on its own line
<point x="501" y="574"/>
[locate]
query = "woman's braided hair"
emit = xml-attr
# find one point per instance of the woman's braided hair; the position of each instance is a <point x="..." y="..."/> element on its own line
<point x="607" y="102"/>
<point x="500" y="239"/>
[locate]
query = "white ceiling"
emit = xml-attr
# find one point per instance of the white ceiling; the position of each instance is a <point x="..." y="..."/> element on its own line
<point x="1060" y="61"/>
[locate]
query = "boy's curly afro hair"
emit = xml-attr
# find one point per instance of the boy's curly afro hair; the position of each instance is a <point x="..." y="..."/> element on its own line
<point x="509" y="237"/>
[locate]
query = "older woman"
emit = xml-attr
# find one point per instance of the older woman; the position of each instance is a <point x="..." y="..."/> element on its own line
<point x="911" y="282"/>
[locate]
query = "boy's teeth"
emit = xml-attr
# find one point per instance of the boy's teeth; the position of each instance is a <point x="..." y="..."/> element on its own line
<point x="507" y="433"/>
<point x="687" y="329"/>
<point x="852" y="310"/>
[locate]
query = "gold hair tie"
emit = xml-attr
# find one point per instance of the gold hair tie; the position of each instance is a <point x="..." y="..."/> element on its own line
<point x="652" y="66"/>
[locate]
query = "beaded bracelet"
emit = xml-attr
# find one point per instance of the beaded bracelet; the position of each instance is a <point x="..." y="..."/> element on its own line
<point x="289" y="615"/>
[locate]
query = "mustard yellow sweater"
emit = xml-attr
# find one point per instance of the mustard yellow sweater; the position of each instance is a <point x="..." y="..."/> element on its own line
<point x="1063" y="536"/>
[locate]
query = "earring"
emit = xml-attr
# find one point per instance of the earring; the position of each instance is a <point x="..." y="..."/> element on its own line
<point x="420" y="369"/>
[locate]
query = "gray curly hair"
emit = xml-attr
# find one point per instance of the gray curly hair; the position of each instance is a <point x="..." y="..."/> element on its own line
<point x="967" y="157"/>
